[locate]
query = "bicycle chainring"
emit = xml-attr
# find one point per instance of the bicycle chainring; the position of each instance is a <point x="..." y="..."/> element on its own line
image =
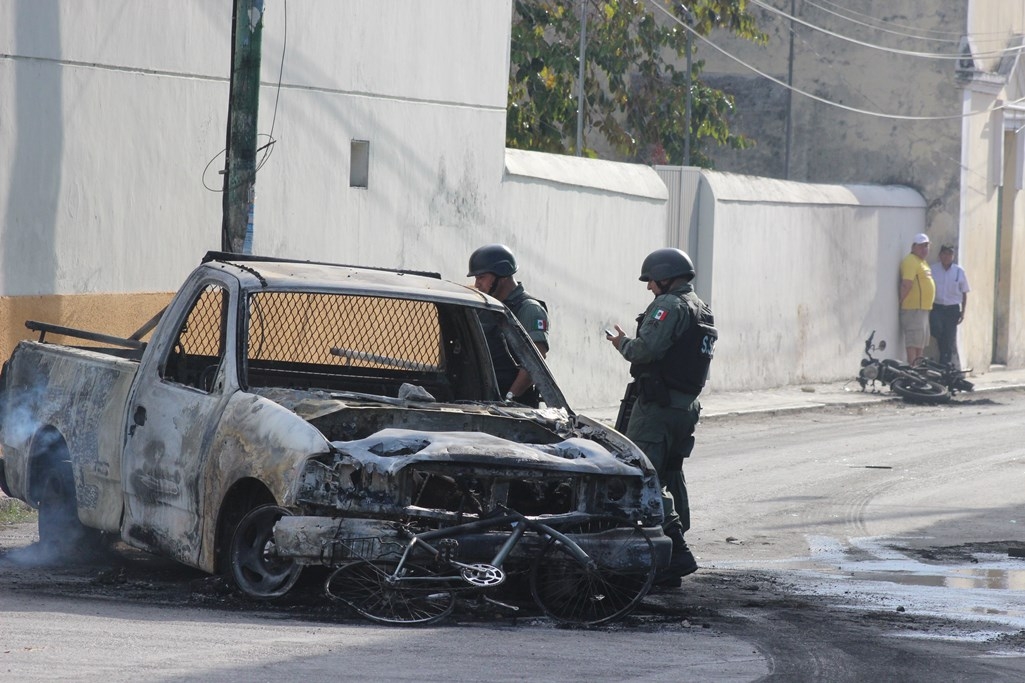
<point x="483" y="575"/>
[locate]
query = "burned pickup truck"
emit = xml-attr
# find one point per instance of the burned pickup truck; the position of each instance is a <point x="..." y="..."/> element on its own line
<point x="280" y="414"/>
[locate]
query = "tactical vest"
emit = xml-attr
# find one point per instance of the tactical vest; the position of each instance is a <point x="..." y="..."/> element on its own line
<point x="514" y="303"/>
<point x="684" y="367"/>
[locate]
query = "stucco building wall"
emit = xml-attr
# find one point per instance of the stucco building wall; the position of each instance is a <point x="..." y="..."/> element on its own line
<point x="797" y="274"/>
<point x="113" y="122"/>
<point x="110" y="142"/>
<point x="954" y="156"/>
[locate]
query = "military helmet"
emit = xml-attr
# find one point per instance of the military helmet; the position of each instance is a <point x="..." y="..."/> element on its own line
<point x="492" y="258"/>
<point x="666" y="264"/>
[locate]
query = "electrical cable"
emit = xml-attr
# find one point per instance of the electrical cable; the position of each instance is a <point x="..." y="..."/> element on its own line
<point x="267" y="148"/>
<point x="277" y="94"/>
<point x="822" y="100"/>
<point x="1001" y="37"/>
<point x="892" y="50"/>
<point x="958" y="34"/>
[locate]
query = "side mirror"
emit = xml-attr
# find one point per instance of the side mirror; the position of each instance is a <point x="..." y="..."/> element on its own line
<point x="882" y="346"/>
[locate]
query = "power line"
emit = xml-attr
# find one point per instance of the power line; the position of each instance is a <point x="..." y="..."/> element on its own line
<point x="957" y="34"/>
<point x="900" y="117"/>
<point x="893" y="50"/>
<point x="267" y="148"/>
<point x="902" y="34"/>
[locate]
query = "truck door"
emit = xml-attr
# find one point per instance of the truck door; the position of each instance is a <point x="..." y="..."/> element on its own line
<point x="180" y="392"/>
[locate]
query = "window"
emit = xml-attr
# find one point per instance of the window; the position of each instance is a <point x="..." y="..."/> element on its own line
<point x="197" y="352"/>
<point x="359" y="163"/>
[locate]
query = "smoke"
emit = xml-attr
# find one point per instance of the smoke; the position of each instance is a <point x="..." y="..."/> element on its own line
<point x="34" y="555"/>
<point x="22" y="434"/>
<point x="19" y="408"/>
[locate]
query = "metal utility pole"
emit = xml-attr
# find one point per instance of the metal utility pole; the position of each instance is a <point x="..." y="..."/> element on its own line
<point x="243" y="106"/>
<point x="580" y="78"/>
<point x="690" y="99"/>
<point x="790" y="94"/>
<point x="690" y="86"/>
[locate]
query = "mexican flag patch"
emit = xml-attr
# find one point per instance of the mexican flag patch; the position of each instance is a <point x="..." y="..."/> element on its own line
<point x="541" y="325"/>
<point x="659" y="314"/>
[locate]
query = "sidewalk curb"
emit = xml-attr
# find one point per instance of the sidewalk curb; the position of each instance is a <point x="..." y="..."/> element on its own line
<point x="716" y="407"/>
<point x="820" y="405"/>
<point x="1001" y="387"/>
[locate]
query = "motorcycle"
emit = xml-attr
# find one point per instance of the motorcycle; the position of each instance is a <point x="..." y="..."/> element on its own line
<point x="947" y="375"/>
<point x="915" y="384"/>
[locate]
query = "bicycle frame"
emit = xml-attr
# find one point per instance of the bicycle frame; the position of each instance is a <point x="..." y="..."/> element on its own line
<point x="520" y="524"/>
<point x="565" y="581"/>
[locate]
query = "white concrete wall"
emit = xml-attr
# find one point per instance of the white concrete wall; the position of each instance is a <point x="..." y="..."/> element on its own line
<point x="950" y="161"/>
<point x="111" y="112"/>
<point x="798" y="274"/>
<point x="992" y="226"/>
<point x="580" y="229"/>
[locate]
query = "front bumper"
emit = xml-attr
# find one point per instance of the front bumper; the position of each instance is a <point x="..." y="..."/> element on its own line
<point x="332" y="541"/>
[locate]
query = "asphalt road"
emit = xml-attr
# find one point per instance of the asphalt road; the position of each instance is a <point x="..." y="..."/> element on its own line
<point x="846" y="544"/>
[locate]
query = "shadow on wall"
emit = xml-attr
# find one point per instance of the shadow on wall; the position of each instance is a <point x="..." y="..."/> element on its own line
<point x="28" y="229"/>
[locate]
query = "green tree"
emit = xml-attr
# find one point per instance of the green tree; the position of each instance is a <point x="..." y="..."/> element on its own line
<point x="635" y="78"/>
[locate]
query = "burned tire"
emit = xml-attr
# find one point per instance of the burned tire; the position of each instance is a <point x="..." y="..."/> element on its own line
<point x="920" y="390"/>
<point x="58" y="509"/>
<point x="59" y="527"/>
<point x="254" y="566"/>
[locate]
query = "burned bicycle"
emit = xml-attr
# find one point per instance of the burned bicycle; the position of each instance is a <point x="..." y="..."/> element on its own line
<point x="420" y="585"/>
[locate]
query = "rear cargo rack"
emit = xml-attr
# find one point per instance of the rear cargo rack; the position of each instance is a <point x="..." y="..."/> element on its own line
<point x="228" y="257"/>
<point x="43" y="328"/>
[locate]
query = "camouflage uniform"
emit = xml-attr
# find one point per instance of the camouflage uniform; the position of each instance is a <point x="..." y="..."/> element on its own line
<point x="531" y="313"/>
<point x="665" y="432"/>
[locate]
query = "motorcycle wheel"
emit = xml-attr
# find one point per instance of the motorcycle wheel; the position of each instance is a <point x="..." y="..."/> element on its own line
<point x="964" y="385"/>
<point x="920" y="390"/>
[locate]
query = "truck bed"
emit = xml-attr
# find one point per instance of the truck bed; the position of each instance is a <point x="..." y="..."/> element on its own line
<point x="80" y="393"/>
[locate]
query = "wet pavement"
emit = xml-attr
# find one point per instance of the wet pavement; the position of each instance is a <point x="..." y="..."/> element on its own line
<point x="981" y="598"/>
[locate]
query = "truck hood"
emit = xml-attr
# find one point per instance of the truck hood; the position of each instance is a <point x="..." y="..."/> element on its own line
<point x="392" y="449"/>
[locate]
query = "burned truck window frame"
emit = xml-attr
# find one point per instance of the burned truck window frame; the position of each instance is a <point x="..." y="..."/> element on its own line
<point x="524" y="353"/>
<point x="358" y="343"/>
<point x="197" y="353"/>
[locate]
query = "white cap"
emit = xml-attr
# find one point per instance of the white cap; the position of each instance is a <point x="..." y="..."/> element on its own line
<point x="921" y="238"/>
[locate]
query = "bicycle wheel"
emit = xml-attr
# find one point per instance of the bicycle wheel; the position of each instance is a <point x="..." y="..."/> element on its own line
<point x="920" y="390"/>
<point x="368" y="588"/>
<point x="568" y="590"/>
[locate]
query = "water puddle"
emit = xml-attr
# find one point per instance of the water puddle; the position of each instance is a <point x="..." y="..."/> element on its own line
<point x="984" y="594"/>
<point x="993" y="579"/>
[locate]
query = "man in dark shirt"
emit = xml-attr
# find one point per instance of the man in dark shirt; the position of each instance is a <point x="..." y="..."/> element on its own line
<point x="492" y="268"/>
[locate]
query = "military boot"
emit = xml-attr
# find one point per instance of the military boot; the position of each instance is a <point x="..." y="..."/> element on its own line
<point x="681" y="562"/>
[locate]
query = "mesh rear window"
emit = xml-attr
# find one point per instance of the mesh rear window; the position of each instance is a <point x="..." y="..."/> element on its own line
<point x="201" y="333"/>
<point x="341" y="330"/>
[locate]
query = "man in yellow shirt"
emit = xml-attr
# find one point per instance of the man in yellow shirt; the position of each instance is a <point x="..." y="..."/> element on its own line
<point x="917" y="292"/>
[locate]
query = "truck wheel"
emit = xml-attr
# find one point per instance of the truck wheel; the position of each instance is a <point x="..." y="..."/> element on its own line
<point x="59" y="528"/>
<point x="254" y="565"/>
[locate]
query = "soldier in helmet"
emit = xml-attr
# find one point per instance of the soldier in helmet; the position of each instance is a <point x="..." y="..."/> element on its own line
<point x="492" y="268"/>
<point x="669" y="360"/>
